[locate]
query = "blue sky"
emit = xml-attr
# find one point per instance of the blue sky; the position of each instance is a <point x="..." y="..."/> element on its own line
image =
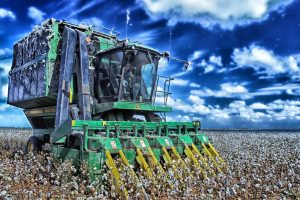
<point x="245" y="55"/>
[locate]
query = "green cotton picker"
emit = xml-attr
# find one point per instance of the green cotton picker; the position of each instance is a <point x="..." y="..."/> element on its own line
<point x="92" y="97"/>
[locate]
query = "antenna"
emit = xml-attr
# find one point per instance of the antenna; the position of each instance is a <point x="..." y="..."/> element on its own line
<point x="127" y="21"/>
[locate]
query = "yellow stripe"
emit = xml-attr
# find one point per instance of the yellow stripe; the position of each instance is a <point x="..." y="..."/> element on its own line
<point x="201" y="158"/>
<point x="190" y="155"/>
<point x="215" y="152"/>
<point x="212" y="158"/>
<point x="167" y="157"/>
<point x="115" y="173"/>
<point x="178" y="157"/>
<point x="141" y="160"/>
<point x="154" y="160"/>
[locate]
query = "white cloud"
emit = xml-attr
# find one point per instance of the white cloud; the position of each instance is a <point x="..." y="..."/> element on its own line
<point x="179" y="118"/>
<point x="93" y="21"/>
<point x="226" y="14"/>
<point x="5" y="52"/>
<point x="3" y="106"/>
<point x="35" y="14"/>
<point x="7" y="13"/>
<point x="81" y="8"/>
<point x="6" y="65"/>
<point x="230" y="88"/>
<point x="227" y="90"/>
<point x="277" y="89"/>
<point x="236" y="112"/>
<point x="195" y="99"/>
<point x="208" y="68"/>
<point x="179" y="82"/>
<point x="197" y="106"/>
<point x="4" y="90"/>
<point x="146" y="37"/>
<point x="258" y="106"/>
<point x="217" y="60"/>
<point x="265" y="61"/>
<point x="162" y="64"/>
<point x="292" y="62"/>
<point x="214" y="63"/>
<point x="219" y="114"/>
<point x="196" y="55"/>
<point x="194" y="85"/>
<point x="237" y="104"/>
<point x="234" y="90"/>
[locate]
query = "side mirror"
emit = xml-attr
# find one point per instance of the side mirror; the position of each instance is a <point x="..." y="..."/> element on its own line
<point x="186" y="65"/>
<point x="166" y="54"/>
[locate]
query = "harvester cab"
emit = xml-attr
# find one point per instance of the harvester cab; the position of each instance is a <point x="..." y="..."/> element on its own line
<point x="126" y="74"/>
<point x="92" y="97"/>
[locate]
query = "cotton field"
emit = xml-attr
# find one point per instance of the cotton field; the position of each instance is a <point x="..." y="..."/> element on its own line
<point x="260" y="165"/>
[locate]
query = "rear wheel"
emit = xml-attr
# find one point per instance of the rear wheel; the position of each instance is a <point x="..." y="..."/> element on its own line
<point x="33" y="145"/>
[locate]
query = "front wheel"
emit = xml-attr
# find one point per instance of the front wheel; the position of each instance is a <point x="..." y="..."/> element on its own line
<point x="33" y="145"/>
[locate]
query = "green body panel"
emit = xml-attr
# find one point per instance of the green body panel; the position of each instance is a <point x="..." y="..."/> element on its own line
<point x="139" y="142"/>
<point x="96" y="142"/>
<point x="51" y="56"/>
<point x="160" y="141"/>
<point x="157" y="153"/>
<point x="102" y="107"/>
<point x="78" y="124"/>
<point x="130" y="155"/>
<point x="63" y="154"/>
<point x="105" y="43"/>
<point x="113" y="145"/>
<point x="202" y="138"/>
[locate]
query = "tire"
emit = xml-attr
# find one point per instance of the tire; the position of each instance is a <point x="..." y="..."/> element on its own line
<point x="33" y="145"/>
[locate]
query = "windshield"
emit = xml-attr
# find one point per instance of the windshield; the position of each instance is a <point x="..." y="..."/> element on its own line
<point x="125" y="76"/>
<point x="108" y="75"/>
<point x="139" y="73"/>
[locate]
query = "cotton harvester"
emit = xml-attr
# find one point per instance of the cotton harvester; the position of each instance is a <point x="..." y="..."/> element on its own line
<point x="92" y="97"/>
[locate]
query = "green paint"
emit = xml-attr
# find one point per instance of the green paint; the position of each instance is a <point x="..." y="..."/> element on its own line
<point x="113" y="145"/>
<point x="130" y="155"/>
<point x="52" y="55"/>
<point x="113" y="136"/>
<point x="105" y="43"/>
<point x="102" y="107"/>
<point x="140" y="142"/>
<point x="124" y="125"/>
<point x="202" y="138"/>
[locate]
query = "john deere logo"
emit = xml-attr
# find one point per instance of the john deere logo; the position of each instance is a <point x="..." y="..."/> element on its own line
<point x="142" y="143"/>
<point x="113" y="144"/>
<point x="137" y="106"/>
<point x="167" y="142"/>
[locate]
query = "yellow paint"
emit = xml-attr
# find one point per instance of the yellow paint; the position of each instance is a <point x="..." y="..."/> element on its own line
<point x="116" y="175"/>
<point x="190" y="155"/>
<point x="167" y="156"/>
<point x="200" y="155"/>
<point x="215" y="152"/>
<point x="178" y="157"/>
<point x="194" y="148"/>
<point x="212" y="158"/>
<point x="143" y="164"/>
<point x="71" y="96"/>
<point x="131" y="171"/>
<point x="155" y="162"/>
